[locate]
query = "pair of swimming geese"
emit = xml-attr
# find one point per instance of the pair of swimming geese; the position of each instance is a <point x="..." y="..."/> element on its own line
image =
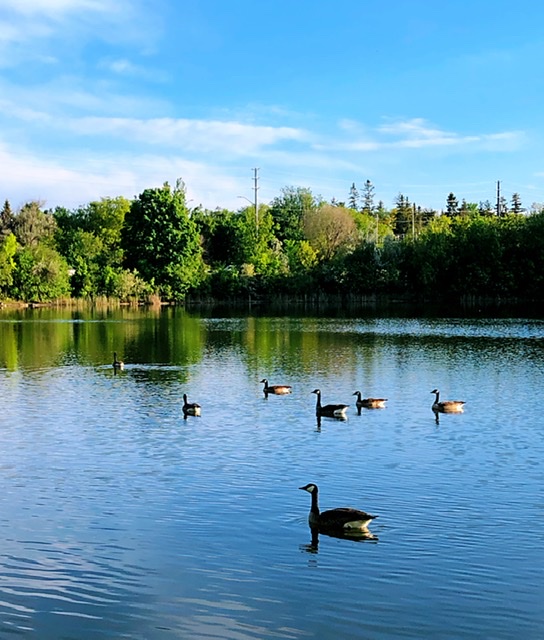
<point x="189" y="408"/>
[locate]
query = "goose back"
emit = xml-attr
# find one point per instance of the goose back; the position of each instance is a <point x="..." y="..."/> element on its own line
<point x="190" y="408"/>
<point x="446" y="406"/>
<point x="344" y="519"/>
<point x="369" y="403"/>
<point x="329" y="410"/>
<point x="275" y="389"/>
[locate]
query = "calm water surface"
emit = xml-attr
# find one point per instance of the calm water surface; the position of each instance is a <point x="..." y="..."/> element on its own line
<point x="120" y="519"/>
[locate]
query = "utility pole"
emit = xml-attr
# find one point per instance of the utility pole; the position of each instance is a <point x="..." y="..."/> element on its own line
<point x="256" y="188"/>
<point x="498" y="198"/>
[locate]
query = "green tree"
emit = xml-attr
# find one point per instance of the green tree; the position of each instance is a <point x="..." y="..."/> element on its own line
<point x="353" y="200"/>
<point x="41" y="274"/>
<point x="32" y="226"/>
<point x="368" y="197"/>
<point x="288" y="211"/>
<point x="6" y="219"/>
<point x="452" y="205"/>
<point x="402" y="215"/>
<point x="161" y="241"/>
<point x="516" y="206"/>
<point x="485" y="208"/>
<point x="330" y="230"/>
<point x="8" y="249"/>
<point x="225" y="240"/>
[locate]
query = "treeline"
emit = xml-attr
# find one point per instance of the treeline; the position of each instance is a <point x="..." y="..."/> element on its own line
<point x="297" y="245"/>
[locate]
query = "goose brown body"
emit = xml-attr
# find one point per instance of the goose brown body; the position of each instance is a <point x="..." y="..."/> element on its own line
<point x="369" y="403"/>
<point x="341" y="519"/>
<point x="446" y="406"/>
<point x="330" y="410"/>
<point x="190" y="408"/>
<point x="276" y="389"/>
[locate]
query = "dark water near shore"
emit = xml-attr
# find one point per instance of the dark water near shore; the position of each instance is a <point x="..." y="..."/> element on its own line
<point x="120" y="519"/>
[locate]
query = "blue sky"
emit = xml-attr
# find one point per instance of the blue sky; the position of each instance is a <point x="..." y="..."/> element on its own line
<point x="422" y="97"/>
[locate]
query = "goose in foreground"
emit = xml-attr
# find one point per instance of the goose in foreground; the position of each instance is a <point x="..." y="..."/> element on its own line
<point x="190" y="408"/>
<point x="369" y="403"/>
<point x="342" y="519"/>
<point x="276" y="389"/>
<point x="330" y="410"/>
<point x="446" y="406"/>
<point x="119" y="365"/>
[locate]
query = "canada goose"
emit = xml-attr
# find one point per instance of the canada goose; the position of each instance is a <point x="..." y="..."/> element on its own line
<point x="330" y="410"/>
<point x="369" y="403"/>
<point x="343" y="519"/>
<point x="117" y="364"/>
<point x="277" y="389"/>
<point x="446" y="406"/>
<point x="190" y="408"/>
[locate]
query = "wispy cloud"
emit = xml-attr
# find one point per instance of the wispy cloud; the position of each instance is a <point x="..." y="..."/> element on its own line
<point x="195" y="135"/>
<point x="418" y="133"/>
<point x="41" y="30"/>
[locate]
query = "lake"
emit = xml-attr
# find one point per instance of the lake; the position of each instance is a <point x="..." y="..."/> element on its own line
<point x="121" y="519"/>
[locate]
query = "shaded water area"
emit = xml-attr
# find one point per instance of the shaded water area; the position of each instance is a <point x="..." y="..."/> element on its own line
<point x="121" y="519"/>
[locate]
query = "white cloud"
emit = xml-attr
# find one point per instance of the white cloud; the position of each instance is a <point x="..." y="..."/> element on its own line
<point x="417" y="133"/>
<point x="56" y="182"/>
<point x="196" y="135"/>
<point x="54" y="7"/>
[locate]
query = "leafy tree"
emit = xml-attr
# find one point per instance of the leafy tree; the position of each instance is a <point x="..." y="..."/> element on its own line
<point x="41" y="274"/>
<point x="161" y="241"/>
<point x="485" y="208"/>
<point x="32" y="226"/>
<point x="330" y="230"/>
<point x="288" y="211"/>
<point x="223" y="237"/>
<point x="468" y="209"/>
<point x="8" y="249"/>
<point x="105" y="219"/>
<point x="301" y="256"/>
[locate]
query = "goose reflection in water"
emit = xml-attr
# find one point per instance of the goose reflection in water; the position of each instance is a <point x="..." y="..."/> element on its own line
<point x="313" y="545"/>
<point x="327" y="419"/>
<point x="438" y="414"/>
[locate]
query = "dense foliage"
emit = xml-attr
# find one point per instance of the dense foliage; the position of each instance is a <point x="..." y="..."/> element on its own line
<point x="296" y="246"/>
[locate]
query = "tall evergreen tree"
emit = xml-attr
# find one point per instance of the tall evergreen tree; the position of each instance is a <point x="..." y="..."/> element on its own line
<point x="502" y="206"/>
<point x="368" y="197"/>
<point x="516" y="203"/>
<point x="6" y="219"/>
<point x="452" y="205"/>
<point x="403" y="215"/>
<point x="353" y="200"/>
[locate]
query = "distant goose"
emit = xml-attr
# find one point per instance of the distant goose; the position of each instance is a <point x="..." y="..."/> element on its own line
<point x="446" y="406"/>
<point x="277" y="389"/>
<point x="343" y="519"/>
<point x="190" y="408"/>
<point x="369" y="403"/>
<point x="330" y="410"/>
<point x="117" y="364"/>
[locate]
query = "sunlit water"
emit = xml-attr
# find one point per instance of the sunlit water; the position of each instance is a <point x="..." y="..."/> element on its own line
<point x="121" y="519"/>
